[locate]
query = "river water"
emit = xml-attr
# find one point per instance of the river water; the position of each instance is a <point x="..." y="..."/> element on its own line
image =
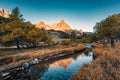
<point x="59" y="69"/>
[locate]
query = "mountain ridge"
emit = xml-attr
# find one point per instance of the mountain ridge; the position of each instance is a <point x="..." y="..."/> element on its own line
<point x="62" y="25"/>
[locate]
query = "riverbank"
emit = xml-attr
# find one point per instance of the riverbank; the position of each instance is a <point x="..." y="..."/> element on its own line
<point x="8" y="61"/>
<point x="106" y="66"/>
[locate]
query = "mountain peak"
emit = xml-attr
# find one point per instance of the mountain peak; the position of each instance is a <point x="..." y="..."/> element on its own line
<point x="62" y="21"/>
<point x="4" y="13"/>
<point x="62" y="26"/>
<point x="41" y="23"/>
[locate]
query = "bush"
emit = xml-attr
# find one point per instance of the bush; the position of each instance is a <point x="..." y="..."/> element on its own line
<point x="105" y="67"/>
<point x="65" y="42"/>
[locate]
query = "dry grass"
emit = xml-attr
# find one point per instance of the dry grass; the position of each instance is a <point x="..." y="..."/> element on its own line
<point x="103" y="51"/>
<point x="51" y="50"/>
<point x="105" y="67"/>
<point x="17" y="59"/>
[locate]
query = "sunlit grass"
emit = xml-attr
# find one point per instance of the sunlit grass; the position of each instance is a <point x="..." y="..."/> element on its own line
<point x="19" y="57"/>
<point x="105" y="67"/>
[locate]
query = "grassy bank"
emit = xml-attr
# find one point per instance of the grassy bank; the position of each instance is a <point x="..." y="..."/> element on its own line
<point x="19" y="57"/>
<point x="105" y="67"/>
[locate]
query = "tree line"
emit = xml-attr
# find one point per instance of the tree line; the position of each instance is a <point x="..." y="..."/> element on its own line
<point x="108" y="29"/>
<point x="15" y="31"/>
<point x="105" y="31"/>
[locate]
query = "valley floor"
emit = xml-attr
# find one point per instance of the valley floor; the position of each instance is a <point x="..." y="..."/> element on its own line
<point x="106" y="66"/>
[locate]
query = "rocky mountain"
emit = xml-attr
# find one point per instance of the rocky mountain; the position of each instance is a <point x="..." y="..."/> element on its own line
<point x="81" y="31"/>
<point x="62" y="26"/>
<point x="4" y="13"/>
<point x="58" y="35"/>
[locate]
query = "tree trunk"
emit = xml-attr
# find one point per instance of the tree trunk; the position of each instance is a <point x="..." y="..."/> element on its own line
<point x="112" y="42"/>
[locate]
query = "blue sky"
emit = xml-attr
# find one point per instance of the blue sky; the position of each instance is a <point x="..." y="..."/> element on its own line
<point x="79" y="14"/>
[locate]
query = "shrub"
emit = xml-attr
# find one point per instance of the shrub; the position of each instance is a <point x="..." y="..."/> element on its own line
<point x="105" y="67"/>
<point x="65" y="42"/>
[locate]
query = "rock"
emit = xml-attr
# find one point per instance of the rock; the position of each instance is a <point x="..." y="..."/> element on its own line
<point x="40" y="60"/>
<point x="5" y="74"/>
<point x="62" y="26"/>
<point x="25" y="65"/>
<point x="4" y="13"/>
<point x="31" y="62"/>
<point x="6" y="78"/>
<point x="36" y="60"/>
<point x="46" y="59"/>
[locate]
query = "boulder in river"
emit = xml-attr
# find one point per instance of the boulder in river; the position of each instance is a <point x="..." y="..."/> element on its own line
<point x="5" y="74"/>
<point x="36" y="60"/>
<point x="25" y="65"/>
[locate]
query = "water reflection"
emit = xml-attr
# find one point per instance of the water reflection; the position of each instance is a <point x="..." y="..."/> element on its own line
<point x="64" y="63"/>
<point x="34" y="72"/>
<point x="37" y="71"/>
<point x="61" y="69"/>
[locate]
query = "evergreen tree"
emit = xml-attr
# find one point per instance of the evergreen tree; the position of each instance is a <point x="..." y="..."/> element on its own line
<point x="73" y="36"/>
<point x="16" y="14"/>
<point x="14" y="31"/>
<point x="109" y="27"/>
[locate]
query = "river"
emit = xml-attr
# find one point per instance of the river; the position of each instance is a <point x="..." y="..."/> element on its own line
<point x="58" y="69"/>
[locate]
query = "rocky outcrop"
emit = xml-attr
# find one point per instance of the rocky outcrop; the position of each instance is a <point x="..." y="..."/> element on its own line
<point x="62" y="26"/>
<point x="4" y="13"/>
<point x="81" y="31"/>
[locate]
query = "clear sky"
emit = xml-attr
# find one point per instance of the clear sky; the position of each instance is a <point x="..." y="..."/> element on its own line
<point x="79" y="14"/>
